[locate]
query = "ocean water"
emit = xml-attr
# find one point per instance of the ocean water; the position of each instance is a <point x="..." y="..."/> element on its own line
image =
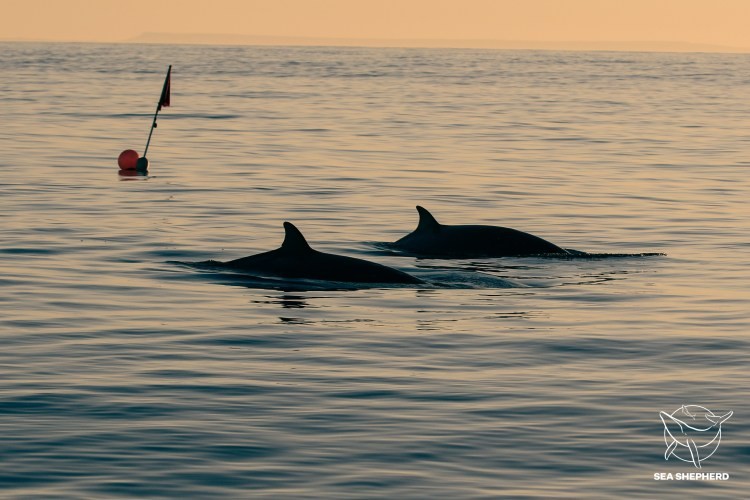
<point x="125" y="373"/>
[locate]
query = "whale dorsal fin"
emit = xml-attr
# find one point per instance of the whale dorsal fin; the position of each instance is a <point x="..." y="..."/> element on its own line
<point x="426" y="221"/>
<point x="294" y="241"/>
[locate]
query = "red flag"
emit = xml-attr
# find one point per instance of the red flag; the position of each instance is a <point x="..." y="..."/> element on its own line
<point x="164" y="100"/>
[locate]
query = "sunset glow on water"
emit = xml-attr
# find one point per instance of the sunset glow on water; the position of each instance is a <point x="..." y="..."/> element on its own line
<point x="126" y="373"/>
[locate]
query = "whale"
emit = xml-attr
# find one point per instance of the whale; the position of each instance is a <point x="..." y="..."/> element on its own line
<point x="432" y="239"/>
<point x="701" y="436"/>
<point x="297" y="260"/>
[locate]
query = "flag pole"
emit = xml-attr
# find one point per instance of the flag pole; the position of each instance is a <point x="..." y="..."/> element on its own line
<point x="163" y="101"/>
<point x="151" y="132"/>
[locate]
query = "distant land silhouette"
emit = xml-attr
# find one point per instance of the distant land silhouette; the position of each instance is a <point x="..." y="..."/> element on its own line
<point x="637" y="46"/>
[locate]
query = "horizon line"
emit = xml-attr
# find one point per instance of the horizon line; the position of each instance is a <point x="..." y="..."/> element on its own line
<point x="458" y="43"/>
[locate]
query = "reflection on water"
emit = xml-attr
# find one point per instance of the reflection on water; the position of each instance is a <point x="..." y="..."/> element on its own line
<point x="127" y="175"/>
<point x="127" y="374"/>
<point x="292" y="302"/>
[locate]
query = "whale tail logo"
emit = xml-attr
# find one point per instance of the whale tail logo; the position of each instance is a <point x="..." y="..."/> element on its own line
<point x="692" y="433"/>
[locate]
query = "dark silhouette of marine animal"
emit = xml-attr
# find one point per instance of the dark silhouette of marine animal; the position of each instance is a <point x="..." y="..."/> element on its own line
<point x="296" y="259"/>
<point x="432" y="239"/>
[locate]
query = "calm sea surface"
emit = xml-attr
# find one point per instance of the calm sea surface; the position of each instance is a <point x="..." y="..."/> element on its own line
<point x="125" y="373"/>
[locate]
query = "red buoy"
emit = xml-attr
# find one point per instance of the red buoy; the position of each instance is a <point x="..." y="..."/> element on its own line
<point x="128" y="160"/>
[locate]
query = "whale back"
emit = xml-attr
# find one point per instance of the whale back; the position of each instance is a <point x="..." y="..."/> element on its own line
<point x="431" y="238"/>
<point x="297" y="260"/>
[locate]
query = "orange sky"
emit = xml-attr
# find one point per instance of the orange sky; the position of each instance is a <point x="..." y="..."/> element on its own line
<point x="721" y="22"/>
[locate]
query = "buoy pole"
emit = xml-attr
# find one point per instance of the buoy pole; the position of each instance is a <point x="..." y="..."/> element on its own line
<point x="153" y="126"/>
<point x="164" y="100"/>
